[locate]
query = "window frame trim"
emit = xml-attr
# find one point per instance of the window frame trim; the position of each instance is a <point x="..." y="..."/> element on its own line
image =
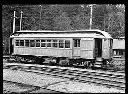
<point x="34" y="43"/>
<point x="38" y="42"/>
<point x="43" y="42"/>
<point x="25" y="43"/>
<point x="69" y="44"/>
<point x="18" y="43"/>
<point x="62" y="43"/>
<point x="76" y="43"/>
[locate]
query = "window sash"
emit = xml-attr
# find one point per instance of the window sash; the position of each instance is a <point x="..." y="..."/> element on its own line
<point x="37" y="43"/>
<point x="43" y="43"/>
<point x="67" y="44"/>
<point x="17" y="43"/>
<point x="76" y="42"/>
<point x="21" y="42"/>
<point x="54" y="43"/>
<point x="61" y="44"/>
<point x="27" y="43"/>
<point x="43" y="40"/>
<point x="32" y="43"/>
<point x="48" y="43"/>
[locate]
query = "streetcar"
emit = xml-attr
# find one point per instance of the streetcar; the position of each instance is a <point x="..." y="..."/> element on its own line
<point x="72" y="47"/>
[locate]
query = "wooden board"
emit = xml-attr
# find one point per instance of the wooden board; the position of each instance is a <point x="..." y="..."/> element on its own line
<point x="87" y="46"/>
<point x="44" y="52"/>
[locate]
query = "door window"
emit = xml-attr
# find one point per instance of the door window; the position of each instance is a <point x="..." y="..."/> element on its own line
<point x="76" y="42"/>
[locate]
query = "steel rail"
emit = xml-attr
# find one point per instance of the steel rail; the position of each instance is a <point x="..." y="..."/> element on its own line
<point x="81" y="77"/>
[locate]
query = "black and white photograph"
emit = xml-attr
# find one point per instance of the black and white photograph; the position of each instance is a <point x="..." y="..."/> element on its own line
<point x="63" y="48"/>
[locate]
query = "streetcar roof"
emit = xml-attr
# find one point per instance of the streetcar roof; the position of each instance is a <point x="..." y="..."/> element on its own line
<point x="69" y="33"/>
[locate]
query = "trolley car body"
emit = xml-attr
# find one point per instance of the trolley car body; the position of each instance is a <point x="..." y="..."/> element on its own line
<point x="85" y="44"/>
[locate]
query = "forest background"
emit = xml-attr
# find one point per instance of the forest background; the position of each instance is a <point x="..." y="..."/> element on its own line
<point x="108" y="17"/>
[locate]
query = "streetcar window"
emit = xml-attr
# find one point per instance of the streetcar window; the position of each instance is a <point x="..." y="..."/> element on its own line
<point x="48" y="43"/>
<point x="17" y="42"/>
<point x="76" y="42"/>
<point x="61" y="44"/>
<point x="43" y="44"/>
<point x="27" y="43"/>
<point x="32" y="43"/>
<point x="111" y="43"/>
<point x="54" y="43"/>
<point x="67" y="44"/>
<point x="21" y="42"/>
<point x="37" y="43"/>
<point x="120" y="52"/>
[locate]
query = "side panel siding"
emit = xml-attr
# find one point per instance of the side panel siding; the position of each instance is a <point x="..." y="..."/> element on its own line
<point x="76" y="52"/>
<point x="87" y="46"/>
<point x="76" y="47"/>
<point x="44" y="52"/>
<point x="105" y="49"/>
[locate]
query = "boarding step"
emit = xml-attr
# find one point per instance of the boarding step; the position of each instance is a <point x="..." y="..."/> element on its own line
<point x="98" y="64"/>
<point x="99" y="59"/>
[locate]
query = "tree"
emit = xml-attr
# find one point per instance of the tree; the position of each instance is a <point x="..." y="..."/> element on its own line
<point x="115" y="21"/>
<point x="78" y="15"/>
<point x="99" y="15"/>
<point x="62" y="22"/>
<point x="110" y="18"/>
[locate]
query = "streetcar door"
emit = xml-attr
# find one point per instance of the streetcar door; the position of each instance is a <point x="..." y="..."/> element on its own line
<point x="76" y="47"/>
<point x="98" y="47"/>
<point x="11" y="46"/>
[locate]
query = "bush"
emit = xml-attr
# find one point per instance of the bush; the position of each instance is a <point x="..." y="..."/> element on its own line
<point x="117" y="64"/>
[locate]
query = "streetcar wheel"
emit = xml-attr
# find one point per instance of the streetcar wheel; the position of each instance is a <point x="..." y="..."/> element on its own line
<point x="92" y="65"/>
<point x="52" y="61"/>
<point x="86" y="64"/>
<point x="71" y="62"/>
<point x="64" y="62"/>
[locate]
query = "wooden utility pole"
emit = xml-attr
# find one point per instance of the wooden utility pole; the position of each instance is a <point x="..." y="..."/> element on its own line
<point x="21" y="20"/>
<point x="91" y="6"/>
<point x="91" y="10"/>
<point x="40" y="17"/>
<point x="14" y="19"/>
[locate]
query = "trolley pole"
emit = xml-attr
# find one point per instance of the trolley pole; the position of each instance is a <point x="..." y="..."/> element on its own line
<point x="14" y="21"/>
<point x="21" y="20"/>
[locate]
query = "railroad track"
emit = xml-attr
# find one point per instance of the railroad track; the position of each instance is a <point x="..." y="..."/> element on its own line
<point x="104" y="79"/>
<point x="30" y="87"/>
<point x="108" y="70"/>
